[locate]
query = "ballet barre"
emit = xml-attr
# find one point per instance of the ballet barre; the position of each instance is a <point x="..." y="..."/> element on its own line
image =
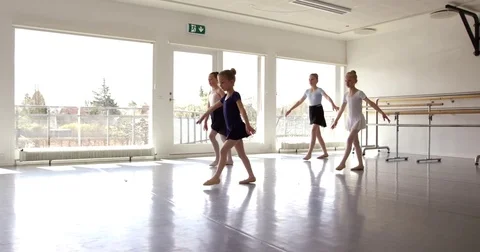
<point x="388" y="102"/>
<point x="455" y="111"/>
<point x="389" y="107"/>
<point x="409" y="105"/>
<point x="430" y="112"/>
<point x="429" y="97"/>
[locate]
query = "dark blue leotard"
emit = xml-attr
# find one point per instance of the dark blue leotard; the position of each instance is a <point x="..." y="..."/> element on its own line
<point x="233" y="120"/>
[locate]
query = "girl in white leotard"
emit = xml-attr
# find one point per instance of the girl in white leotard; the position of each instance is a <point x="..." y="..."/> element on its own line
<point x="356" y="119"/>
<point x="218" y="121"/>
<point x="316" y="114"/>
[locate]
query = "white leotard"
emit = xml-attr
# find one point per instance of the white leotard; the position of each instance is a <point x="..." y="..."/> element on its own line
<point x="315" y="97"/>
<point x="355" y="119"/>
<point x="213" y="97"/>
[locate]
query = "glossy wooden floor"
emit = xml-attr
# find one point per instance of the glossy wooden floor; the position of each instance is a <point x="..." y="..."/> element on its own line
<point x="294" y="206"/>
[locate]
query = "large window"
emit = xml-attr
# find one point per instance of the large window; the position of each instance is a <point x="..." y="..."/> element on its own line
<point x="73" y="90"/>
<point x="190" y="92"/>
<point x="249" y="79"/>
<point x="292" y="82"/>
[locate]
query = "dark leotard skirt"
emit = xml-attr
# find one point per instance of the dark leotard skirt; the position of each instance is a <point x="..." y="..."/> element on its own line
<point x="235" y="126"/>
<point x="237" y="131"/>
<point x="317" y="115"/>
<point x="218" y="121"/>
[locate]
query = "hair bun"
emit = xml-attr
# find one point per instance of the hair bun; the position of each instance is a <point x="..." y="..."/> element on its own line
<point x="353" y="72"/>
<point x="233" y="71"/>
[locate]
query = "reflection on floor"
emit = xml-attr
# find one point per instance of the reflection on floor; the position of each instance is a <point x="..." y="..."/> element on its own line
<point x="294" y="206"/>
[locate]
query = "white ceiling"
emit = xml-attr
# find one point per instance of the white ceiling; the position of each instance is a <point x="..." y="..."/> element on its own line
<point x="283" y="14"/>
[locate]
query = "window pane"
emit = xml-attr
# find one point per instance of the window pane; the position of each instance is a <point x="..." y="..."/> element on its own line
<point x="190" y="92"/>
<point x="73" y="90"/>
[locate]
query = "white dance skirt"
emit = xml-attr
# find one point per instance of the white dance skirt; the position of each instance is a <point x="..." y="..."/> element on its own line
<point x="356" y="123"/>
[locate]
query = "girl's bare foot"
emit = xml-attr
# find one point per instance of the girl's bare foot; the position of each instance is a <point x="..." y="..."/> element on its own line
<point x="229" y="162"/>
<point x="322" y="156"/>
<point x="357" y="168"/>
<point x="212" y="181"/>
<point x="307" y="157"/>
<point x="214" y="163"/>
<point x="340" y="167"/>
<point x="248" y="181"/>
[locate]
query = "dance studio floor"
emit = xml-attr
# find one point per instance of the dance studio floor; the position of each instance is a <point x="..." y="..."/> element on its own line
<point x="294" y="206"/>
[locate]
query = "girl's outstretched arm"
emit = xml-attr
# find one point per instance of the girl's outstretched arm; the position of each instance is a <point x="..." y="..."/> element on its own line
<point x="215" y="106"/>
<point x="335" y="108"/>
<point x="339" y="115"/>
<point x="296" y="105"/>
<point x="375" y="106"/>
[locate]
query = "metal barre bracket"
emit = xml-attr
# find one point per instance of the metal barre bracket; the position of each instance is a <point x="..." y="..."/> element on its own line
<point x="477" y="159"/>
<point x="428" y="158"/>
<point x="475" y="38"/>
<point x="397" y="158"/>
<point x="376" y="146"/>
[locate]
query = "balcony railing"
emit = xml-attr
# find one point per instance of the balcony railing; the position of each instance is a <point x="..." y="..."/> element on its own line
<point x="298" y="129"/>
<point x="186" y="131"/>
<point x="59" y="126"/>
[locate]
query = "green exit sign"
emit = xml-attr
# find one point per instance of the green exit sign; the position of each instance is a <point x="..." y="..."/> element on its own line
<point x="196" y="29"/>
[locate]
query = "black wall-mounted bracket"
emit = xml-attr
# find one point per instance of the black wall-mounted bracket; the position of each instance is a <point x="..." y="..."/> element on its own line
<point x="475" y="38"/>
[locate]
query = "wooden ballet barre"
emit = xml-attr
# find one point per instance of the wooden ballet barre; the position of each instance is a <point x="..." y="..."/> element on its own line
<point x="434" y="112"/>
<point x="380" y="101"/>
<point x="430" y="114"/>
<point x="411" y="105"/>
<point x="407" y="105"/>
<point x="426" y="125"/>
<point x="389" y="107"/>
<point x="429" y="97"/>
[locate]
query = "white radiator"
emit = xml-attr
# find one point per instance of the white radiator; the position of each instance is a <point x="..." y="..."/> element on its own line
<point x="84" y="153"/>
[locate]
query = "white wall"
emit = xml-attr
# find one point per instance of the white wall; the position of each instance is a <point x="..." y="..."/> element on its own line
<point x="159" y="26"/>
<point x="7" y="111"/>
<point x="431" y="56"/>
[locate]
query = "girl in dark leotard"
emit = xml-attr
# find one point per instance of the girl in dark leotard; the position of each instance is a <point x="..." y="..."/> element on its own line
<point x="218" y="120"/>
<point x="236" y="129"/>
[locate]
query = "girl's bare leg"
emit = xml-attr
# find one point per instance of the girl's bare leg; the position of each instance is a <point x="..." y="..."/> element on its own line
<point x="312" y="142"/>
<point x="216" y="147"/>
<point x="322" y="143"/>
<point x="348" y="149"/>
<point x="246" y="162"/>
<point x="223" y="160"/>
<point x="229" y="155"/>
<point x="358" y="151"/>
